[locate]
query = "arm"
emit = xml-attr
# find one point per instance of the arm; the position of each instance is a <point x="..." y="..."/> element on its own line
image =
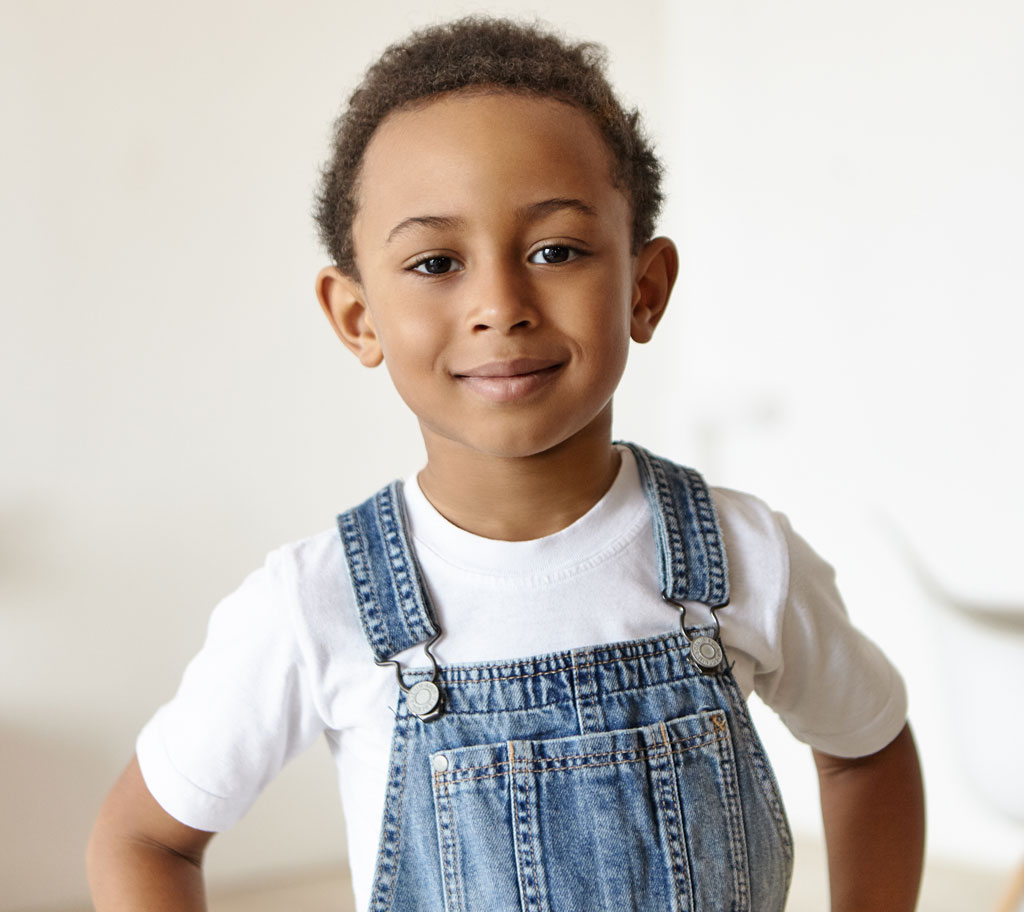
<point x="873" y="808"/>
<point x="141" y="858"/>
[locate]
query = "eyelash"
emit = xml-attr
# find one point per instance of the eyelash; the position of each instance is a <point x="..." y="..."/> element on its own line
<point x="574" y="253"/>
<point x="422" y="261"/>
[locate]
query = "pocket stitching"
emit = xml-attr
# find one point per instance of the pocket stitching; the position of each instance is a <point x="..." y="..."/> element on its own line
<point x="525" y="830"/>
<point x="718" y="725"/>
<point x="643" y="753"/>
<point x="678" y="854"/>
<point x="450" y="851"/>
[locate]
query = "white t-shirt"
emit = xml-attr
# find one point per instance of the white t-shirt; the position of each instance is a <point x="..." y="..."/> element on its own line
<point x="285" y="658"/>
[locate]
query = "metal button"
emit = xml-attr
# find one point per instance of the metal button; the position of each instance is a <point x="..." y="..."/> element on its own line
<point x="423" y="698"/>
<point x="440" y="763"/>
<point x="705" y="653"/>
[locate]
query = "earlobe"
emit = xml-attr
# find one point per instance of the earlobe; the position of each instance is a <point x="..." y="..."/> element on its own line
<point x="657" y="265"/>
<point x="344" y="303"/>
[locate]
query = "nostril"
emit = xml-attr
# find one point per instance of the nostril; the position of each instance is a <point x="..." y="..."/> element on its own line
<point x="521" y="324"/>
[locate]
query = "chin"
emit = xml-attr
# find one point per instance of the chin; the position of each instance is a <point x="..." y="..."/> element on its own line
<point x="518" y="443"/>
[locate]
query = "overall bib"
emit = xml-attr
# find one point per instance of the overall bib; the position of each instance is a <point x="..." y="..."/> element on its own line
<point x="616" y="778"/>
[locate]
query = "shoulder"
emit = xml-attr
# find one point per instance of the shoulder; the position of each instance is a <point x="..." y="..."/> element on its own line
<point x="309" y="565"/>
<point x="273" y="595"/>
<point x="271" y="617"/>
<point x="314" y="588"/>
<point x="756" y="546"/>
<point x="311" y="583"/>
<point x="746" y="517"/>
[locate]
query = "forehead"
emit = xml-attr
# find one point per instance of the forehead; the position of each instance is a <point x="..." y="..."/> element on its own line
<point x="479" y="153"/>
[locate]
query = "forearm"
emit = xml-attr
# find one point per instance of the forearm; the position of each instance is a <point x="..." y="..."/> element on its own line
<point x="130" y="876"/>
<point x="873" y="809"/>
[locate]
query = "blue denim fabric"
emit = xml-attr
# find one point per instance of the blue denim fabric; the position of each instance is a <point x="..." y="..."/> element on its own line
<point x="616" y="777"/>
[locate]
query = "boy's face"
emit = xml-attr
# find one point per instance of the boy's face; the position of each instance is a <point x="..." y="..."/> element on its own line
<point x="496" y="278"/>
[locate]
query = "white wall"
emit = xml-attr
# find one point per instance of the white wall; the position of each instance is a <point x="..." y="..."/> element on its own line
<point x="847" y="197"/>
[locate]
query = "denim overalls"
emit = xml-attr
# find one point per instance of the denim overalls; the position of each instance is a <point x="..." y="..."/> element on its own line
<point x="616" y="778"/>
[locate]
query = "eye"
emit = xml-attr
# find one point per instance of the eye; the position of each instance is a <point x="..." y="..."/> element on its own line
<point x="436" y="265"/>
<point x="553" y="254"/>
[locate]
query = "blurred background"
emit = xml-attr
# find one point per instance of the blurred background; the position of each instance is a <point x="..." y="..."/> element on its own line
<point x="846" y="189"/>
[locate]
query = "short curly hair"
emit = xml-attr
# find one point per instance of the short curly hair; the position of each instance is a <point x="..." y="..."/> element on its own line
<point x="486" y="53"/>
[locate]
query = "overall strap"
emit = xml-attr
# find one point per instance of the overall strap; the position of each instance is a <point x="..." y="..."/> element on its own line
<point x="691" y="555"/>
<point x="393" y="605"/>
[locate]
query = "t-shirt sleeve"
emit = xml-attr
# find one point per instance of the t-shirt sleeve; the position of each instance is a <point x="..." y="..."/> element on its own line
<point x="243" y="709"/>
<point x="831" y="685"/>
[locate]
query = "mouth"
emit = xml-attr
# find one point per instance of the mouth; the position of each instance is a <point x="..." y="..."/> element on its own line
<point x="515" y="367"/>
<point x="507" y="381"/>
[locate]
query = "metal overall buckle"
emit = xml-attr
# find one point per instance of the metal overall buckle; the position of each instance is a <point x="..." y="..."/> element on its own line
<point x="425" y="699"/>
<point x="706" y="652"/>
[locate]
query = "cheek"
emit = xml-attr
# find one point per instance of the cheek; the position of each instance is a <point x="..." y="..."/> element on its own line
<point x="402" y="328"/>
<point x="411" y="346"/>
<point x="608" y="323"/>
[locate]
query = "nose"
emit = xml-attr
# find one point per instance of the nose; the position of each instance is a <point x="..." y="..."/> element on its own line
<point x="502" y="300"/>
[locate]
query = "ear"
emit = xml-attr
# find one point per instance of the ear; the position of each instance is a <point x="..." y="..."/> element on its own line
<point x="657" y="265"/>
<point x="344" y="302"/>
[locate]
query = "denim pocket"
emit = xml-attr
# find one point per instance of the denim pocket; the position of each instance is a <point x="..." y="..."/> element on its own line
<point x="635" y="820"/>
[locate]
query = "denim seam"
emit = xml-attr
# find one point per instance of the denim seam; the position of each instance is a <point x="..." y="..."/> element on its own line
<point x="444" y="827"/>
<point x="762" y="768"/>
<point x="408" y="588"/>
<point x="537" y="674"/>
<point x="670" y="810"/>
<point x="588" y="710"/>
<point x="643" y="754"/>
<point x="734" y="817"/>
<point x="455" y="852"/>
<point x="577" y="699"/>
<point x="691" y="553"/>
<point x="498" y="713"/>
<point x="567" y="700"/>
<point x="520" y="788"/>
<point x="666" y="542"/>
<point x="384" y="879"/>
<point x="538" y="871"/>
<point x="607" y="692"/>
<point x="676" y="558"/>
<point x="718" y="730"/>
<point x="710" y="538"/>
<point x="626" y="651"/>
<point x="450" y="853"/>
<point x="362" y="584"/>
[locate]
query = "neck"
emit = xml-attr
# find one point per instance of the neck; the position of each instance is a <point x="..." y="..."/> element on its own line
<point x="520" y="497"/>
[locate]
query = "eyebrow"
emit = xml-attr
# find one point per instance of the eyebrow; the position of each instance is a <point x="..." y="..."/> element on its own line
<point x="426" y="221"/>
<point x="536" y="211"/>
<point x="532" y="213"/>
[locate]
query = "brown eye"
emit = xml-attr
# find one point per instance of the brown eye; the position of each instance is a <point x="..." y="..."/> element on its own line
<point x="553" y="254"/>
<point x="436" y="265"/>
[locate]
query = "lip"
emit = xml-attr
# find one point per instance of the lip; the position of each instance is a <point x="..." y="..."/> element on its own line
<point x="507" y="381"/>
<point x="513" y="367"/>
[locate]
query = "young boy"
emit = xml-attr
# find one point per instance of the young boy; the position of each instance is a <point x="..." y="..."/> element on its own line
<point x="531" y="661"/>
